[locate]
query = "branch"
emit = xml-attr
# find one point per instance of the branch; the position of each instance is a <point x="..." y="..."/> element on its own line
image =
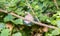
<point x="38" y="23"/>
<point x="56" y="4"/>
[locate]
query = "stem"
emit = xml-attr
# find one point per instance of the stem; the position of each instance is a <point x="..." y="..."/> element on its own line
<point x="56" y="4"/>
<point x="38" y="23"/>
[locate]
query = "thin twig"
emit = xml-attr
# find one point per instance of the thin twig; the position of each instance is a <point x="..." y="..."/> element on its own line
<point x="32" y="10"/>
<point x="56" y="4"/>
<point x="38" y="23"/>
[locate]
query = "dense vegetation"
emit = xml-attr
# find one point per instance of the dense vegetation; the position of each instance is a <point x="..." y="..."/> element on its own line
<point x="29" y="17"/>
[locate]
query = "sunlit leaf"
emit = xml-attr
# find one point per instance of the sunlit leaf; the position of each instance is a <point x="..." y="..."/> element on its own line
<point x="56" y="32"/>
<point x="5" y="32"/>
<point x="58" y="23"/>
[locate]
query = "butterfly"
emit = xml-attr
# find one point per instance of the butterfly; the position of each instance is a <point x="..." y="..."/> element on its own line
<point x="29" y="17"/>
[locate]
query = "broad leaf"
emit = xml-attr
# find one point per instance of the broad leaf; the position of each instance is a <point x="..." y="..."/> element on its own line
<point x="58" y="23"/>
<point x="2" y="25"/>
<point x="17" y="34"/>
<point x="18" y="21"/>
<point x="9" y="17"/>
<point x="56" y="32"/>
<point x="5" y="32"/>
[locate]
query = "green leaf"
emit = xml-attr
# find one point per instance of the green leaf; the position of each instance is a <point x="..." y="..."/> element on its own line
<point x="9" y="17"/>
<point x="53" y="22"/>
<point x="43" y="18"/>
<point x="19" y="12"/>
<point x="36" y="7"/>
<point x="2" y="1"/>
<point x="18" y="21"/>
<point x="10" y="8"/>
<point x="22" y="4"/>
<point x="45" y="3"/>
<point x="5" y="32"/>
<point x="56" y="32"/>
<point x="17" y="34"/>
<point x="47" y="34"/>
<point x="12" y="3"/>
<point x="41" y="0"/>
<point x="2" y="25"/>
<point x="58" y="23"/>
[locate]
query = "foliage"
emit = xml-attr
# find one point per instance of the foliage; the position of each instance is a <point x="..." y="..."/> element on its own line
<point x="47" y="11"/>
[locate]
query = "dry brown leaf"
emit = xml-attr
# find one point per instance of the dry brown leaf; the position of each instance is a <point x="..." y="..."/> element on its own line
<point x="38" y="34"/>
<point x="9" y="26"/>
<point x="45" y="29"/>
